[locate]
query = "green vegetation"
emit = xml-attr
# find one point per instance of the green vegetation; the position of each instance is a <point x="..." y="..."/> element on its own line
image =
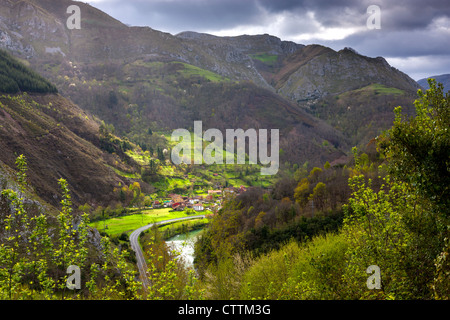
<point x="377" y="88"/>
<point x="190" y="70"/>
<point x="265" y="57"/>
<point x="313" y="236"/>
<point x="38" y="268"/>
<point x="180" y="228"/>
<point x="396" y="217"/>
<point x="15" y="77"/>
<point x="363" y="113"/>
<point x="127" y="223"/>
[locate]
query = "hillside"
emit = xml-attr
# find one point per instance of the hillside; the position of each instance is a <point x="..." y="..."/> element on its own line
<point x="59" y="140"/>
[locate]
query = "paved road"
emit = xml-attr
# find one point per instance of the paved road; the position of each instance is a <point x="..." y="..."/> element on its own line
<point x="134" y="240"/>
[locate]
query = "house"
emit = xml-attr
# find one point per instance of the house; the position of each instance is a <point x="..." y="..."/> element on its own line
<point x="228" y="191"/>
<point x="167" y="203"/>
<point x="156" y="204"/>
<point x="178" y="206"/>
<point x="198" y="207"/>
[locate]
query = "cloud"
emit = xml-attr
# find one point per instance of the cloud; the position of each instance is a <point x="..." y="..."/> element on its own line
<point x="421" y="67"/>
<point x="177" y="15"/>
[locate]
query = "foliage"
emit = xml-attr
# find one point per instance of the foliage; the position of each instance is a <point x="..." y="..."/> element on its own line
<point x="419" y="149"/>
<point x="312" y="270"/>
<point x="167" y="277"/>
<point x="377" y="235"/>
<point x="396" y="218"/>
<point x="301" y="193"/>
<point x="15" y="77"/>
<point x="34" y="255"/>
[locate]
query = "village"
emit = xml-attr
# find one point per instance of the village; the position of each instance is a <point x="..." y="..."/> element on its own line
<point x="198" y="203"/>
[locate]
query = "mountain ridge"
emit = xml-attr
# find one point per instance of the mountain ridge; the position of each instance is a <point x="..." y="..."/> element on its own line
<point x="442" y="78"/>
<point x="139" y="79"/>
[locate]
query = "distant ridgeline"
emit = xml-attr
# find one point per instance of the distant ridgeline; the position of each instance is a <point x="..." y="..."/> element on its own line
<point x="16" y="77"/>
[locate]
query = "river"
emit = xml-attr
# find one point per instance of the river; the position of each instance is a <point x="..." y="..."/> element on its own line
<point x="185" y="245"/>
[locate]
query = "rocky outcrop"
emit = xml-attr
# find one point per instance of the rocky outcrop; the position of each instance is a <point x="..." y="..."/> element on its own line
<point x="338" y="72"/>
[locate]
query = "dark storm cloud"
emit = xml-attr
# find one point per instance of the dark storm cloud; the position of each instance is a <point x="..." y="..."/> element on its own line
<point x="181" y="15"/>
<point x="328" y="13"/>
<point x="397" y="15"/>
<point x="396" y="44"/>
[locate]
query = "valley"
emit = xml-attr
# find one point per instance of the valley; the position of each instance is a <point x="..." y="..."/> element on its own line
<point x="112" y="143"/>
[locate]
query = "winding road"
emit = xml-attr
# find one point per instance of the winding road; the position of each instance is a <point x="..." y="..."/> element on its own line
<point x="134" y="240"/>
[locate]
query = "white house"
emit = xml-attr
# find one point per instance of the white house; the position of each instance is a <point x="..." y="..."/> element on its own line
<point x="198" y="207"/>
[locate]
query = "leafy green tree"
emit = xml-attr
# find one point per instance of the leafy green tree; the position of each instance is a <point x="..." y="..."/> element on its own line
<point x="14" y="248"/>
<point x="301" y="192"/>
<point x="375" y="230"/>
<point x="72" y="238"/>
<point x="112" y="278"/>
<point x="319" y="195"/>
<point x="418" y="149"/>
<point x="314" y="174"/>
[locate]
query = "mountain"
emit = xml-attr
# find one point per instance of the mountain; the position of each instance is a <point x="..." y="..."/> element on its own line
<point x="59" y="140"/>
<point x="443" y="78"/>
<point x="139" y="80"/>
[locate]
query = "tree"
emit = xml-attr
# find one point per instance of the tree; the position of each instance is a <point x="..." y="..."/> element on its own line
<point x="314" y="174"/>
<point x="71" y="245"/>
<point x="375" y="230"/>
<point x="301" y="192"/>
<point x="14" y="247"/>
<point x="34" y="257"/>
<point x="404" y="226"/>
<point x="319" y="196"/>
<point x="418" y="150"/>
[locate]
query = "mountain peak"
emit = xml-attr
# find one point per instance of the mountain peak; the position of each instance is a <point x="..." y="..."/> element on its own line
<point x="192" y="35"/>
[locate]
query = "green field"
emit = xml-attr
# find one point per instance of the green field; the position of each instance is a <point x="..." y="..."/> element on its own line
<point x="190" y="70"/>
<point x="265" y="58"/>
<point x="377" y="88"/>
<point x="116" y="226"/>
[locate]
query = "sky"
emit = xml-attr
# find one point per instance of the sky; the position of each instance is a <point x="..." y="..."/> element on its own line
<point x="412" y="35"/>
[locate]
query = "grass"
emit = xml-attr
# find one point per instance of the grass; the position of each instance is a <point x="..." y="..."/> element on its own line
<point x="377" y="88"/>
<point x="173" y="229"/>
<point x="265" y="58"/>
<point x="190" y="70"/>
<point x="381" y="89"/>
<point x="116" y="226"/>
<point x="124" y="174"/>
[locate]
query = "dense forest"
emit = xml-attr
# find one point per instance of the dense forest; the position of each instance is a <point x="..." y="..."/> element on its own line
<point x="314" y="235"/>
<point x="16" y="77"/>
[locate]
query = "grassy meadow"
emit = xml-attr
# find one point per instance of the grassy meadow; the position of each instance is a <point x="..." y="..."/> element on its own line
<point x="117" y="225"/>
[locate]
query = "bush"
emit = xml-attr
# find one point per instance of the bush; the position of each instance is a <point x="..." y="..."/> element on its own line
<point x="309" y="271"/>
